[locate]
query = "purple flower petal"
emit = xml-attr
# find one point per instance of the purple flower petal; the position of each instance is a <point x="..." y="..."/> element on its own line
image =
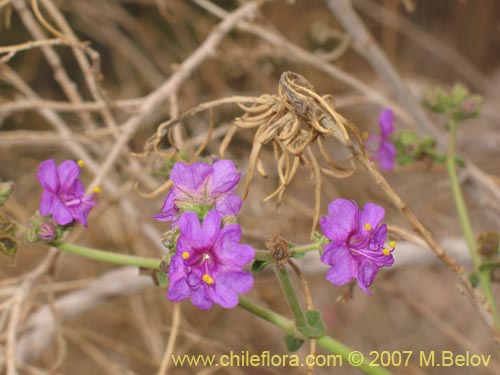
<point x="223" y="295"/>
<point x="178" y="290"/>
<point x="229" y="205"/>
<point x="190" y="176"/>
<point x="229" y="251"/>
<point x="189" y="227"/>
<point x="200" y="299"/>
<point x="47" y="202"/>
<point x="367" y="270"/>
<point x="60" y="213"/>
<point x="210" y="229"/>
<point x="224" y="178"/>
<point x="341" y="220"/>
<point x="371" y="215"/>
<point x="387" y="155"/>
<point x="386" y="122"/>
<point x="343" y="264"/>
<point x="68" y="172"/>
<point x="47" y="175"/>
<point x="81" y="212"/>
<point x="240" y="282"/>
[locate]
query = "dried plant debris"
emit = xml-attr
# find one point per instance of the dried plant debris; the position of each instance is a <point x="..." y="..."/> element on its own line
<point x="292" y="122"/>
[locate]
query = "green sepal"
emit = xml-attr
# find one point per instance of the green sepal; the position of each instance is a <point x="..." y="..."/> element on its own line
<point x="293" y="343"/>
<point x="259" y="265"/>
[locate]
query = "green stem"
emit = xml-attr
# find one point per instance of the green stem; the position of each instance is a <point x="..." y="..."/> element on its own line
<point x="305" y="248"/>
<point x="484" y="275"/>
<point x="327" y="342"/>
<point x="291" y="296"/>
<point x="107" y="256"/>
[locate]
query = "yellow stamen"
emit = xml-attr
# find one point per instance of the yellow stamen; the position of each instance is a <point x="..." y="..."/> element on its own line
<point x="365" y="135"/>
<point x="386" y="252"/>
<point x="392" y="244"/>
<point x="80" y="163"/>
<point x="368" y="226"/>
<point x="96" y="190"/>
<point x="185" y="255"/>
<point x="208" y="279"/>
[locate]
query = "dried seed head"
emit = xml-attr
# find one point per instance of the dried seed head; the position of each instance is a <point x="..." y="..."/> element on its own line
<point x="278" y="247"/>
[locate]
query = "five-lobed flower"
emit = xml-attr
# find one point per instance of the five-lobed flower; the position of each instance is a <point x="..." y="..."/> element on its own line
<point x="208" y="263"/>
<point x="357" y="249"/>
<point x="63" y="194"/>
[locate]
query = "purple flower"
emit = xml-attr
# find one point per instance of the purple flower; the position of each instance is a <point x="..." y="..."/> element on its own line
<point x="382" y="149"/>
<point x="201" y="187"/>
<point x="207" y="265"/>
<point x="357" y="249"/>
<point x="63" y="194"/>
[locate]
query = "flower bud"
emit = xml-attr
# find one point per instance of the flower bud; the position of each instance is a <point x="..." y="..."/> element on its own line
<point x="47" y="232"/>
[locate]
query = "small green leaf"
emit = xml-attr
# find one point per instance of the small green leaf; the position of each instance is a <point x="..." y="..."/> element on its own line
<point x="459" y="161"/>
<point x="162" y="278"/>
<point x="8" y="246"/>
<point x="315" y="327"/>
<point x="6" y="189"/>
<point x="474" y="279"/>
<point x="292" y="343"/>
<point x="259" y="265"/>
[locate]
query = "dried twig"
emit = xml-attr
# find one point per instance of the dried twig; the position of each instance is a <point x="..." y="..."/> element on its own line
<point x="154" y="99"/>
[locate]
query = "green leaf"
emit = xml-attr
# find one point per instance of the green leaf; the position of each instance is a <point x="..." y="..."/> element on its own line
<point x="459" y="161"/>
<point x="6" y="189"/>
<point x="162" y="278"/>
<point x="8" y="246"/>
<point x="259" y="265"/>
<point x="474" y="279"/>
<point x="293" y="343"/>
<point x="403" y="159"/>
<point x="315" y="327"/>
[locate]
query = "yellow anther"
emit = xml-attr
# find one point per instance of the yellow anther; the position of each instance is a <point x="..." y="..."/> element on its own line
<point x="386" y="252"/>
<point x="185" y="255"/>
<point x="365" y="135"/>
<point x="80" y="163"/>
<point x="368" y="226"/>
<point x="392" y="244"/>
<point x="96" y="190"/>
<point x="208" y="279"/>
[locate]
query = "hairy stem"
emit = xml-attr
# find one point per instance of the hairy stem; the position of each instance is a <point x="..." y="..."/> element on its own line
<point x="327" y="342"/>
<point x="291" y="296"/>
<point x="108" y="256"/>
<point x="483" y="274"/>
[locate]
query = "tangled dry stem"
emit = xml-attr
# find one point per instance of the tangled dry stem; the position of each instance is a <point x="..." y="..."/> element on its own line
<point x="292" y="122"/>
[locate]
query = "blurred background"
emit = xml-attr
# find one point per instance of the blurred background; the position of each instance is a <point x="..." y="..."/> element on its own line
<point x="64" y="100"/>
